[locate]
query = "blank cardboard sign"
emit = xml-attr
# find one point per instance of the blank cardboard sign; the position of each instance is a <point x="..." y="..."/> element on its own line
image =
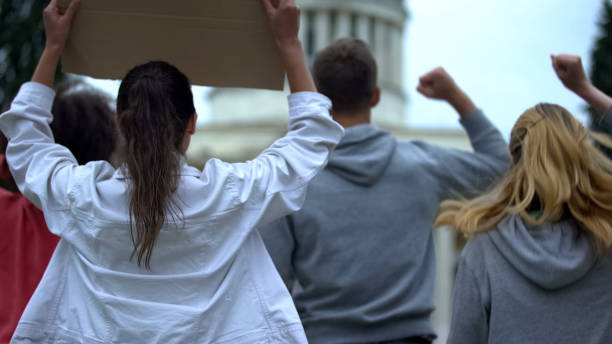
<point x="224" y="43"/>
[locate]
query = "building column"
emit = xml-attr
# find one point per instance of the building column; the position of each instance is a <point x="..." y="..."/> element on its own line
<point x="446" y="262"/>
<point x="397" y="55"/>
<point x="387" y="54"/>
<point x="303" y="27"/>
<point x="343" y="25"/>
<point x="380" y="50"/>
<point x="322" y="28"/>
<point x="363" y="28"/>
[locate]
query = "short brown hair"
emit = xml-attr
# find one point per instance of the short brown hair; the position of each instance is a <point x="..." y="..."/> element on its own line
<point x="346" y="73"/>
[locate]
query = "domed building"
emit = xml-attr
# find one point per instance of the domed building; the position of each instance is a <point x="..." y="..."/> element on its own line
<point x="243" y="122"/>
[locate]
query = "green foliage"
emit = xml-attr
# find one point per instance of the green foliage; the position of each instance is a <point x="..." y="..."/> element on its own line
<point x="22" y="40"/>
<point x="601" y="67"/>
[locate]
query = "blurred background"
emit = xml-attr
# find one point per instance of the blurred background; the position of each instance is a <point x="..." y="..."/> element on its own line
<point x="497" y="51"/>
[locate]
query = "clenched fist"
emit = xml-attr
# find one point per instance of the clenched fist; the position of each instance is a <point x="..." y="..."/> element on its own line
<point x="570" y="71"/>
<point x="437" y="84"/>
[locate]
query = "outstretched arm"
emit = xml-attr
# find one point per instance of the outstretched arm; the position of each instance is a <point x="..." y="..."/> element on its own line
<point x="460" y="172"/>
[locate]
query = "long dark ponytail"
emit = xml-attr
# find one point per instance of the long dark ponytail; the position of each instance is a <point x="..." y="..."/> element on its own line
<point x="154" y="106"/>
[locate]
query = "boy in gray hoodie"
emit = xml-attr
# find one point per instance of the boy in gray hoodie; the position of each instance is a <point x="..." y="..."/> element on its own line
<point x="359" y="256"/>
<point x="545" y="282"/>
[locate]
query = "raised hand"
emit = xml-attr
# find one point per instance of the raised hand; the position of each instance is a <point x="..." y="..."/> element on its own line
<point x="570" y="71"/>
<point x="284" y="20"/>
<point x="438" y="84"/>
<point x="57" y="30"/>
<point x="58" y="23"/>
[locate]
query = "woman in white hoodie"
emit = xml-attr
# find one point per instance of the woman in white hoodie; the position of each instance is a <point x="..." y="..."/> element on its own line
<point x="158" y="251"/>
<point x="536" y="268"/>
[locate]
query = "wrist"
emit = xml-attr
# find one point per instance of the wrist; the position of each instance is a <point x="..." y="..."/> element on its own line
<point x="53" y="50"/>
<point x="456" y="97"/>
<point x="289" y="46"/>
<point x="291" y="53"/>
<point x="583" y="89"/>
<point x="461" y="103"/>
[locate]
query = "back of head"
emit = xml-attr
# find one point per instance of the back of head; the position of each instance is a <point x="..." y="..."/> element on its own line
<point x="556" y="172"/>
<point x="154" y="107"/>
<point x="83" y="121"/>
<point x="346" y="73"/>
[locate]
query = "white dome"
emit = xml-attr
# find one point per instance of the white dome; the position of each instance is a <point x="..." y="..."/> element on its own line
<point x="380" y="23"/>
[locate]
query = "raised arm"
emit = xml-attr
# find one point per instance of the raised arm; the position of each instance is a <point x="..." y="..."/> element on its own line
<point x="570" y="71"/>
<point x="438" y="84"/>
<point x="41" y="168"/>
<point x="284" y="23"/>
<point x="57" y="29"/>
<point x="274" y="183"/>
<point x="460" y="172"/>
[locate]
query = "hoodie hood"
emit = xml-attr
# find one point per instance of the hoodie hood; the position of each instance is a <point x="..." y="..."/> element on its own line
<point x="363" y="154"/>
<point x="551" y="255"/>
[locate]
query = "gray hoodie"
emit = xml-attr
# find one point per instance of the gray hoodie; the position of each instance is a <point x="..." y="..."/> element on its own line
<point x="520" y="284"/>
<point x="360" y="251"/>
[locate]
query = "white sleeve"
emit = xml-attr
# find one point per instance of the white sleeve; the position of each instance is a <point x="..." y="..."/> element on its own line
<point x="275" y="181"/>
<point x="41" y="168"/>
<point x="46" y="173"/>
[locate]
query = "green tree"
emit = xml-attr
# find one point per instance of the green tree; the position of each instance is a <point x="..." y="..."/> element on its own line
<point x="22" y="40"/>
<point x="601" y="67"/>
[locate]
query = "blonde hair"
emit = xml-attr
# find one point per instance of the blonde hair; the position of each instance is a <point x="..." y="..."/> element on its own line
<point x="556" y="171"/>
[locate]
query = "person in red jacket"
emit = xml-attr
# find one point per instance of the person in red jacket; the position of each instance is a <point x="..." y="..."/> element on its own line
<point x="83" y="122"/>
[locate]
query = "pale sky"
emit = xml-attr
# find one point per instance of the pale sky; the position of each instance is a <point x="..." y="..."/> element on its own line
<point x="497" y="51"/>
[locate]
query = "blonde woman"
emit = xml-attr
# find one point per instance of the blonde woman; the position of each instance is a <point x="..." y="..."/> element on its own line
<point x="536" y="268"/>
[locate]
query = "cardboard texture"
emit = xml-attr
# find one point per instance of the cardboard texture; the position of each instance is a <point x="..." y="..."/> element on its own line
<point x="224" y="43"/>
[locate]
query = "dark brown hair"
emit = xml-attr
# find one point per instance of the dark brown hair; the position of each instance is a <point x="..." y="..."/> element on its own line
<point x="346" y="73"/>
<point x="83" y="122"/>
<point x="154" y="106"/>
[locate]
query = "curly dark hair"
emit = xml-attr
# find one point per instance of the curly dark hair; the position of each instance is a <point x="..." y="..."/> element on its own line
<point x="83" y="122"/>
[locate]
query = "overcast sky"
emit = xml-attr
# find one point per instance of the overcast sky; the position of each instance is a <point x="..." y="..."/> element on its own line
<point x="498" y="52"/>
